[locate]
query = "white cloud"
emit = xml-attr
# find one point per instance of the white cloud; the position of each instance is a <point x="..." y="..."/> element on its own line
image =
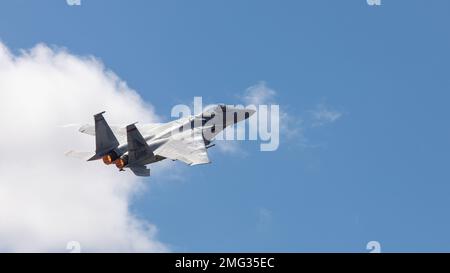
<point x="259" y="93"/>
<point x="293" y="127"/>
<point x="290" y="125"/>
<point x="47" y="199"/>
<point x="232" y="147"/>
<point x="323" y="115"/>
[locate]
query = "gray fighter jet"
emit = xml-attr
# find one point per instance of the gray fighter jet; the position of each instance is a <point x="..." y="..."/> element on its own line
<point x="186" y="139"/>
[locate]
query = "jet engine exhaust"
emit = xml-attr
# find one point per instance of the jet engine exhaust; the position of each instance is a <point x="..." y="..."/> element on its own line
<point x="107" y="159"/>
<point x="121" y="163"/>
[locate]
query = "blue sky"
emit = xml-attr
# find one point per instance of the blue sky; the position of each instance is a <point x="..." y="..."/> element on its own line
<point x="379" y="172"/>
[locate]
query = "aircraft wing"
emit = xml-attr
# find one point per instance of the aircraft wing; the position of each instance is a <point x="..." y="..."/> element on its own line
<point x="120" y="131"/>
<point x="188" y="147"/>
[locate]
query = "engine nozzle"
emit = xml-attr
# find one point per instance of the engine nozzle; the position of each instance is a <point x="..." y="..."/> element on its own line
<point x="108" y="159"/>
<point x="121" y="163"/>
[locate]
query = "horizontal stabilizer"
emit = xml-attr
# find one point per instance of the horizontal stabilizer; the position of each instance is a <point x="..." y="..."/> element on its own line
<point x="140" y="171"/>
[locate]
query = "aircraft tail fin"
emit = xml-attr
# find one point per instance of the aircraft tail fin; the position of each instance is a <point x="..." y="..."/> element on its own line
<point x="105" y="140"/>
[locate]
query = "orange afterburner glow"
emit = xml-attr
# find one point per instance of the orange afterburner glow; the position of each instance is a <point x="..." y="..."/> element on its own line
<point x="107" y="159"/>
<point x="120" y="163"/>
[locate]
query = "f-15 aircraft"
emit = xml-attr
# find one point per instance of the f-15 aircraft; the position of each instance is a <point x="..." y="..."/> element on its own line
<point x="186" y="139"/>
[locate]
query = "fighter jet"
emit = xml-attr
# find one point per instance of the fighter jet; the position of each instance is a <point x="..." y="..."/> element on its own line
<point x="186" y="139"/>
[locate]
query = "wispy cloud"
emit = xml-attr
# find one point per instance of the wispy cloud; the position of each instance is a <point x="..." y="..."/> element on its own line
<point x="231" y="147"/>
<point x="291" y="126"/>
<point x="259" y="93"/>
<point x="323" y="115"/>
<point x="294" y="127"/>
